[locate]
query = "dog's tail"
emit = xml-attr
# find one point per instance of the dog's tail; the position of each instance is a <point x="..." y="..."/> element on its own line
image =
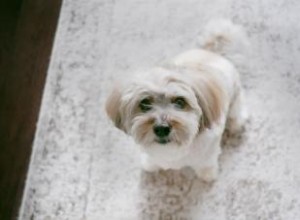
<point x="227" y="39"/>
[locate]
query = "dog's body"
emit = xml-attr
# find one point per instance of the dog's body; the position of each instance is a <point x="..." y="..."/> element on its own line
<point x="178" y="112"/>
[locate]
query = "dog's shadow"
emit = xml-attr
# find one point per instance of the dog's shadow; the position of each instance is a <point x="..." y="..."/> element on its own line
<point x="174" y="195"/>
<point x="170" y="194"/>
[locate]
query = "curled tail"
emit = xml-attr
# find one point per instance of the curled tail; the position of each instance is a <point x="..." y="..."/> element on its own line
<point x="227" y="39"/>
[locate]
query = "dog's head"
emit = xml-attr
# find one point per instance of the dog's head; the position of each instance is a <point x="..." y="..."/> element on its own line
<point x="165" y="109"/>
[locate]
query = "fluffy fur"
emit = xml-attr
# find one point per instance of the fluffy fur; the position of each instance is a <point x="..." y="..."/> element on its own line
<point x="196" y="96"/>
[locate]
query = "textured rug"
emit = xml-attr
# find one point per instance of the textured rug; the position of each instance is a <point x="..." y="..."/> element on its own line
<point x="82" y="168"/>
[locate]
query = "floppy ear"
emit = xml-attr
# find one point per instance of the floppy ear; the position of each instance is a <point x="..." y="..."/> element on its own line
<point x="112" y="106"/>
<point x="210" y="99"/>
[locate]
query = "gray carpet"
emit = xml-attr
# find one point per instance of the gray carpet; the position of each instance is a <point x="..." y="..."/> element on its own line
<point x="82" y="168"/>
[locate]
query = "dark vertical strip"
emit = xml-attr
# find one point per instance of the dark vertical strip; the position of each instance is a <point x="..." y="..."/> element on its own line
<point x="26" y="38"/>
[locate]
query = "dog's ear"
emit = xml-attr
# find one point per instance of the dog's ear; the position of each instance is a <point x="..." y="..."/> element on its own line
<point x="112" y="106"/>
<point x="210" y="99"/>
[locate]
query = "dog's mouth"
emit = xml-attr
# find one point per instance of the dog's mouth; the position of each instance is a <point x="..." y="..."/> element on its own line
<point x="163" y="140"/>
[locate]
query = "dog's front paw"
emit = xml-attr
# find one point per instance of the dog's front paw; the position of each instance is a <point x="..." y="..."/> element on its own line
<point x="208" y="174"/>
<point x="148" y="166"/>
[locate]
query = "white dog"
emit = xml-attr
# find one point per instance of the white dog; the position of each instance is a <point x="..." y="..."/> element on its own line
<point x="177" y="112"/>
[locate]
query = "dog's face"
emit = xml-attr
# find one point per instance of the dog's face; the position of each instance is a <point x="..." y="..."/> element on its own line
<point x="163" y="111"/>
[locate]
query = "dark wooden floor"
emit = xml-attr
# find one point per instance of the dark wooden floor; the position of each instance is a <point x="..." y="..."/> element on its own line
<point x="27" y="29"/>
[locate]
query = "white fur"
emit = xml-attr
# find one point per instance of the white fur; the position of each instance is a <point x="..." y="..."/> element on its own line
<point x="188" y="145"/>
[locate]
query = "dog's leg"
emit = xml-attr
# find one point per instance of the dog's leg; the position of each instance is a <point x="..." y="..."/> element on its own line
<point x="208" y="173"/>
<point x="237" y="116"/>
<point x="208" y="167"/>
<point x="147" y="165"/>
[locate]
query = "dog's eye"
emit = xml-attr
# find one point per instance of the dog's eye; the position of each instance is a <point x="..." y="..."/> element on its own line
<point x="145" y="105"/>
<point x="180" y="103"/>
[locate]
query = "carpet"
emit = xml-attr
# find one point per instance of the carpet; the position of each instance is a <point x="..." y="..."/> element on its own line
<point x="82" y="168"/>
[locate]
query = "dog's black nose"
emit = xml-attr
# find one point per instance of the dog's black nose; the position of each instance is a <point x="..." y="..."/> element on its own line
<point x="162" y="130"/>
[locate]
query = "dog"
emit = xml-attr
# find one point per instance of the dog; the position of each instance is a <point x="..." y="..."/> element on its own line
<point x="177" y="112"/>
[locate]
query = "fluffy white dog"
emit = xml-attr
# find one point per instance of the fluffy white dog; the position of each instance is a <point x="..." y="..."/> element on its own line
<point x="177" y="112"/>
